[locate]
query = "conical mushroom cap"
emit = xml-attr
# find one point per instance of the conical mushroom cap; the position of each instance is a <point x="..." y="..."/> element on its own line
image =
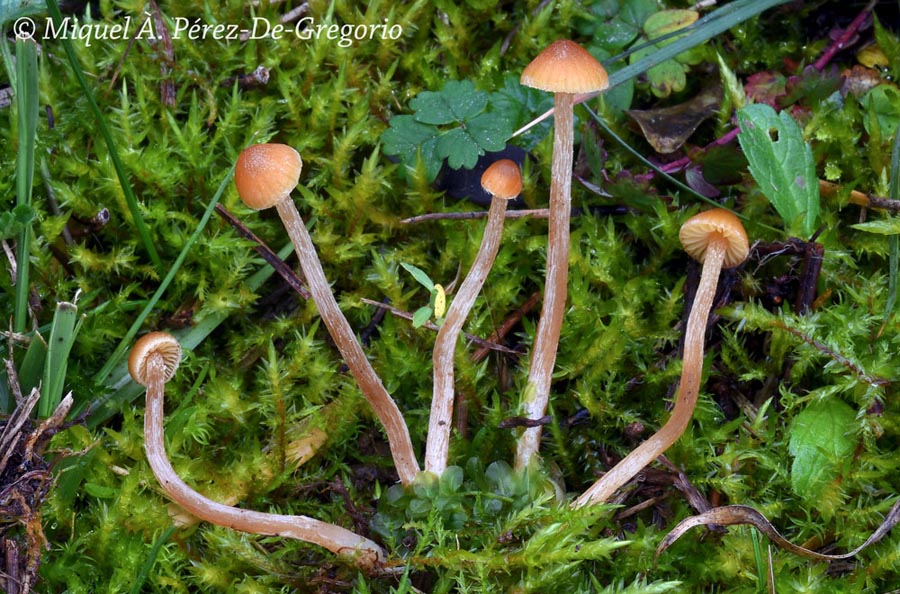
<point x="565" y="67"/>
<point x="266" y="174"/>
<point x="696" y="232"/>
<point x="502" y="179"/>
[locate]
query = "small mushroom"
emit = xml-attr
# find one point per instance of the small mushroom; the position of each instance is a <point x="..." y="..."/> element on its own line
<point x="503" y="181"/>
<point x="717" y="239"/>
<point x="565" y="69"/>
<point x="153" y="361"/>
<point x="265" y="175"/>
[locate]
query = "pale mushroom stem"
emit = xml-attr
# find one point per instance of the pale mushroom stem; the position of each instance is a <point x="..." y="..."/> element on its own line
<point x="543" y="356"/>
<point x="385" y="408"/>
<point x="338" y="540"/>
<point x="688" y="388"/>
<point x="439" y="423"/>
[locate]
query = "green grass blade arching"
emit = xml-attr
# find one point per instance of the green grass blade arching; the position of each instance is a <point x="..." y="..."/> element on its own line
<point x="188" y="338"/>
<point x="703" y="30"/>
<point x="127" y="190"/>
<point x="893" y="240"/>
<point x="27" y="103"/>
<point x="127" y="340"/>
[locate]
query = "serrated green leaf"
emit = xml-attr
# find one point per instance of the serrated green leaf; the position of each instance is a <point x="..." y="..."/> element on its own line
<point x="462" y="146"/>
<point x="458" y="101"/>
<point x="782" y="164"/>
<point x="490" y="131"/>
<point x="419" y="275"/>
<point x="821" y="439"/>
<point x="410" y="141"/>
<point x="420" y="316"/>
<point x="459" y="148"/>
<point x="880" y="227"/>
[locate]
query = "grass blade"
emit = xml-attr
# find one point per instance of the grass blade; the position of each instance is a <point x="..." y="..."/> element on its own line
<point x="128" y="339"/>
<point x="124" y="390"/>
<point x="27" y="103"/>
<point x="127" y="190"/>
<point x="703" y="30"/>
<point x="62" y="336"/>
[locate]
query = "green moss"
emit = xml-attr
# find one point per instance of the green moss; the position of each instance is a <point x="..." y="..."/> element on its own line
<point x="269" y="371"/>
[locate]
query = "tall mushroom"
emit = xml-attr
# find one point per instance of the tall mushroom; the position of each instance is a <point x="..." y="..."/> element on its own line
<point x="565" y="69"/>
<point x="503" y="181"/>
<point x="152" y="362"/>
<point x="265" y="175"/>
<point x="717" y="239"/>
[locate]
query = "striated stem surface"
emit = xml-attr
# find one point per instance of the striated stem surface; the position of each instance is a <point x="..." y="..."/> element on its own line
<point x="338" y="540"/>
<point x="438" y="444"/>
<point x="385" y="408"/>
<point x="546" y="341"/>
<point x="688" y="387"/>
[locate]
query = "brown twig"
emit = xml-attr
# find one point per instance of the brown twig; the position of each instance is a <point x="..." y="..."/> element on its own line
<point x="538" y="213"/>
<point x="167" y="56"/>
<point x="286" y="272"/>
<point x="845" y="38"/>
<point x="861" y="198"/>
<point x="508" y="324"/>
<point x="429" y="325"/>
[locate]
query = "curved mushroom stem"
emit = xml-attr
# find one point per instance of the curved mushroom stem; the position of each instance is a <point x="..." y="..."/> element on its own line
<point x="341" y="541"/>
<point x="438" y="443"/>
<point x="546" y="341"/>
<point x="688" y="388"/>
<point x="385" y="408"/>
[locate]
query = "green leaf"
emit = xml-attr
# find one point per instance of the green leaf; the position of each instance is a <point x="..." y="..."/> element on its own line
<point x="450" y="124"/>
<point x="14" y="221"/>
<point x="782" y="164"/>
<point x="457" y="102"/>
<point x="421" y="316"/>
<point x="411" y="140"/>
<point x="668" y="21"/>
<point x="419" y="275"/>
<point x="882" y="105"/>
<point x="62" y="337"/>
<point x="880" y="227"/>
<point x="821" y="440"/>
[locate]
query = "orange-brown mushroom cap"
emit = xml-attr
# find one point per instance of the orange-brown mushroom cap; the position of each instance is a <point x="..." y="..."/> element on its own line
<point x="502" y="179"/>
<point x="565" y="67"/>
<point x="154" y="343"/>
<point x="265" y="174"/>
<point x="696" y="232"/>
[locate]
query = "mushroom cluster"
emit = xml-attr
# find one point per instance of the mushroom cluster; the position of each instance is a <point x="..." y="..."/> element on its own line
<point x="266" y="174"/>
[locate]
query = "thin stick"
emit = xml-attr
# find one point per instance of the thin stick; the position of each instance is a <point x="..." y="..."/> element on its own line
<point x="484" y="344"/>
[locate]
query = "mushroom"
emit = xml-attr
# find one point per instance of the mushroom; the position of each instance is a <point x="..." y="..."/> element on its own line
<point x="152" y="362"/>
<point x="717" y="239"/>
<point x="265" y="175"/>
<point x="503" y="181"/>
<point x="566" y="69"/>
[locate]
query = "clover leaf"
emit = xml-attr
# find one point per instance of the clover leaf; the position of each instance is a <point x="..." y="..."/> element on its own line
<point x="454" y="124"/>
